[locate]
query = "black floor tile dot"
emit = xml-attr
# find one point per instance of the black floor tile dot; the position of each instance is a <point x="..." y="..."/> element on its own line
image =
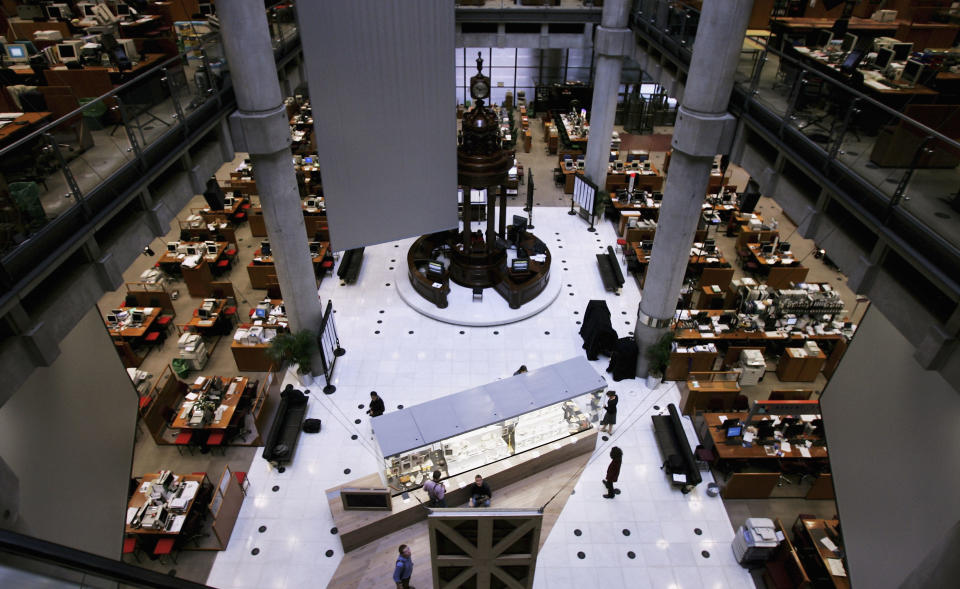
<point x="626" y="532"/>
<point x="379" y="321"/>
<point x="627" y="322"/>
<point x="391" y="267"/>
<point x="560" y="246"/>
<point x="578" y="323"/>
<point x="275" y="488"/>
<point x="262" y="529"/>
<point x="546" y="333"/>
<point x="329" y="553"/>
<point x="564" y="268"/>
<point x="281" y="469"/>
<point x="334" y="530"/>
<point x="581" y="555"/>
<point x="697" y="531"/>
<point x="462" y="332"/>
<point x="604" y="438"/>
<point x="563" y="261"/>
<point x="556" y="233"/>
<point x="657" y="407"/>
<point x="360" y="406"/>
<point x="623" y="312"/>
<point x="578" y="532"/>
<point x="346" y="471"/>
<point x="255" y="551"/>
<point x="395" y="245"/>
<point x="576" y="312"/>
<point x="356" y="421"/>
<point x="381" y="311"/>
<point x="399" y="406"/>
<point x="573" y="492"/>
<point x="705" y="554"/>
<point x="353" y="437"/>
<point x="570" y="285"/>
<point x="496" y="333"/>
<point x="410" y="332"/>
<point x="631" y="555"/>
<point x="376" y="332"/>
<point x="388" y="284"/>
<point x="393" y="260"/>
<point x="571" y="294"/>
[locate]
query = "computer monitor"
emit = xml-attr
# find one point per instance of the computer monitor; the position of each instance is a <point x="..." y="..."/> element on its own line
<point x="788" y="421"/>
<point x="16" y="52"/>
<point x="172" y="246"/>
<point x="727" y="319"/>
<point x="901" y="51"/>
<point x="734" y="431"/>
<point x="314" y="248"/>
<point x="823" y="38"/>
<point x="911" y="71"/>
<point x="852" y="60"/>
<point x="206" y="8"/>
<point x="849" y="42"/>
<point x="793" y="431"/>
<point x="646" y="245"/>
<point x="728" y="423"/>
<point x="884" y="56"/>
<point x="137" y="316"/>
<point x="203" y="313"/>
<point x="111" y="319"/>
<point x="784" y="246"/>
<point x="619" y="166"/>
<point x="579" y="164"/>
<point x="122" y="9"/>
<point x="435" y="268"/>
<point x="67" y="52"/>
<point x="191" y="250"/>
<point x="311" y="203"/>
<point x="129" y="49"/>
<point x="212" y="250"/>
<point x="817" y="428"/>
<point x="228" y="201"/>
<point x="519" y="265"/>
<point x="765" y="429"/>
<point x="766" y="248"/>
<point x="264" y="248"/>
<point x="88" y="10"/>
<point x="54" y="13"/>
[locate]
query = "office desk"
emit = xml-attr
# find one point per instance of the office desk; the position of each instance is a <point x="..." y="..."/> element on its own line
<point x="202" y="325"/>
<point x="768" y="260"/>
<point x="795" y="365"/>
<point x="755" y="451"/>
<point x="262" y="269"/>
<point x="253" y="357"/>
<point x="139" y="498"/>
<point x="199" y="277"/>
<point x="22" y="126"/>
<point x="233" y="390"/>
<point x="820" y="62"/>
<point x="130" y="332"/>
<point x="91" y="78"/>
<point x="314" y="221"/>
<point x="815" y="530"/>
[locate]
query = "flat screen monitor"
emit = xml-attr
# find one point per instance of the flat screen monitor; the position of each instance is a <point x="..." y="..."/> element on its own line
<point x="788" y="421"/>
<point x="264" y="248"/>
<point x="212" y="250"/>
<point x="727" y="424"/>
<point x="852" y="60"/>
<point x="521" y="265"/>
<point x="912" y="71"/>
<point x="646" y="245"/>
<point x="191" y="251"/>
<point x="849" y="42"/>
<point x="901" y="51"/>
<point x="16" y="52"/>
<point x="733" y="432"/>
<point x="884" y="56"/>
<point x="519" y="222"/>
<point x="765" y="430"/>
<point x="435" y="268"/>
<point x="823" y="38"/>
<point x="137" y="316"/>
<point x="792" y="431"/>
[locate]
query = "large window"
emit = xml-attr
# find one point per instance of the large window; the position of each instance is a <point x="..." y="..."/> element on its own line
<point x="522" y="70"/>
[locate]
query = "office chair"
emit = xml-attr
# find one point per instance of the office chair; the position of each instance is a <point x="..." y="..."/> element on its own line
<point x="8" y="77"/>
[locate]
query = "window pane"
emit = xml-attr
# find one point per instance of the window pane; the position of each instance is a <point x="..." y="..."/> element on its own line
<point x="578" y="75"/>
<point x="580" y="58"/>
<point x="503" y="56"/>
<point x="528" y="57"/>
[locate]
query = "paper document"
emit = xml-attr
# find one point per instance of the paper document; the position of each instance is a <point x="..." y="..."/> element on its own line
<point x="191" y="396"/>
<point x="780" y="536"/>
<point x="177" y="524"/>
<point x="836" y="567"/>
<point x="200" y="380"/>
<point x="679" y="478"/>
<point x="722" y="418"/>
<point x="785" y="446"/>
<point x="829" y="544"/>
<point x="131" y="511"/>
<point x="747" y="437"/>
<point x="804" y="452"/>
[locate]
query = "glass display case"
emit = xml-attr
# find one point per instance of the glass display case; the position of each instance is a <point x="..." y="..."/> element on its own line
<point x="484" y="445"/>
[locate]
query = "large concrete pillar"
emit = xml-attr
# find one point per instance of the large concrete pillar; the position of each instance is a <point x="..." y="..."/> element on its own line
<point x="264" y="131"/>
<point x="703" y="129"/>
<point x="611" y="44"/>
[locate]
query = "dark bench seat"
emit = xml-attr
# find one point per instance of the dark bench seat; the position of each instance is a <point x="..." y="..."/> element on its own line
<point x="610" y="272"/>
<point x="285" y="429"/>
<point x="674" y="448"/>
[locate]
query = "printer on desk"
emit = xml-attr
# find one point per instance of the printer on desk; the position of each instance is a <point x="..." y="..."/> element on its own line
<point x="192" y="349"/>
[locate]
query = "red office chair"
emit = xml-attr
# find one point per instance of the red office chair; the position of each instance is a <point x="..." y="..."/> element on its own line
<point x="130" y="547"/>
<point x="183" y="440"/>
<point x="164" y="547"/>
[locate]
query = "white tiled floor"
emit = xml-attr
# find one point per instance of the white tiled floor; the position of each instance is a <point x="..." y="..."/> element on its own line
<point x="437" y="359"/>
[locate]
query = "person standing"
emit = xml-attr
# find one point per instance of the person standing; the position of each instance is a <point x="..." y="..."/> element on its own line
<point x="521" y="370"/>
<point x="376" y="405"/>
<point x="613" y="472"/>
<point x="480" y="493"/>
<point x="436" y="491"/>
<point x="404" y="569"/>
<point x="610" y="412"/>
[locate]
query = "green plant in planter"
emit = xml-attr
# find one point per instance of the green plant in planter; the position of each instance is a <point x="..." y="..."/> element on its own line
<point x="601" y="202"/>
<point x="658" y="355"/>
<point x="294" y="348"/>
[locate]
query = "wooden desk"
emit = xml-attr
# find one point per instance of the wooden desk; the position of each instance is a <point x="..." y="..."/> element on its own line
<point x="138" y="499"/>
<point x="253" y="357"/>
<point x="314" y="221"/>
<point x="815" y="530"/>
<point x="201" y="325"/>
<point x="756" y="451"/>
<point x="130" y="332"/>
<point x="228" y="401"/>
<point x="794" y="367"/>
<point x="768" y="260"/>
<point x="23" y="125"/>
<point x="261" y="272"/>
<point x="700" y="393"/>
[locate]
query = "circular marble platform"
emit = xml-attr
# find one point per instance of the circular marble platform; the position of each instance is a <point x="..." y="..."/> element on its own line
<point x="463" y="310"/>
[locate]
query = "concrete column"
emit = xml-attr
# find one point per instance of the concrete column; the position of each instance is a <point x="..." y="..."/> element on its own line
<point x="612" y="44"/>
<point x="703" y="129"/>
<point x="263" y="121"/>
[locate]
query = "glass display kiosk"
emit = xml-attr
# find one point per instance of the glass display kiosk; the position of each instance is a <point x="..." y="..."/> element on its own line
<point x="480" y="426"/>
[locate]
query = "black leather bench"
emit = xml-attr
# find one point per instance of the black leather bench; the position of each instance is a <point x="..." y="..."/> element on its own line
<point x="350" y="265"/>
<point x="675" y="450"/>
<point x="610" y="272"/>
<point x="285" y="429"/>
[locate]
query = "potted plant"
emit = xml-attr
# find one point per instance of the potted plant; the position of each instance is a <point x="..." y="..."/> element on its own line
<point x="658" y="356"/>
<point x="295" y="348"/>
<point x="600" y="204"/>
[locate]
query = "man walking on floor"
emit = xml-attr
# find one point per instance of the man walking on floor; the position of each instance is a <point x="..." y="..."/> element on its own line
<point x="404" y="569"/>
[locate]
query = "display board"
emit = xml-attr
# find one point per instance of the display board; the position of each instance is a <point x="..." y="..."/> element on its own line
<point x="584" y="193"/>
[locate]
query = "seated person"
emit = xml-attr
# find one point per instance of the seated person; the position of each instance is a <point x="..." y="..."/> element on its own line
<point x="480" y="493"/>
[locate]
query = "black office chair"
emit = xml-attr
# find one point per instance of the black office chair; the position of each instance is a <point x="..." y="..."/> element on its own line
<point x="8" y="77"/>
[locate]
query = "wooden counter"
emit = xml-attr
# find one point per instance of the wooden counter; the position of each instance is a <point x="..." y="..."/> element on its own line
<point x="796" y="366"/>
